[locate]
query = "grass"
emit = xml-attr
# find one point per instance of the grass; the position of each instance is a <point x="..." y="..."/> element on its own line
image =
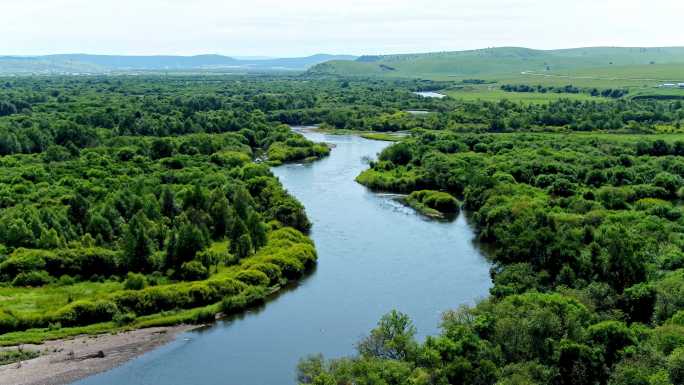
<point x="16" y="355"/>
<point x="387" y="137"/>
<point x="291" y="249"/>
<point x="639" y="70"/>
<point x="606" y="62"/>
<point x="422" y="208"/>
<point x="52" y="297"/>
<point x="493" y="93"/>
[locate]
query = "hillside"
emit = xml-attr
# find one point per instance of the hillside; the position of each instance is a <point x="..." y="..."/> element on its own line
<point x="83" y="63"/>
<point x="493" y="62"/>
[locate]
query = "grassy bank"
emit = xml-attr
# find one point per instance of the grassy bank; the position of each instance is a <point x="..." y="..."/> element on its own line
<point x="55" y="312"/>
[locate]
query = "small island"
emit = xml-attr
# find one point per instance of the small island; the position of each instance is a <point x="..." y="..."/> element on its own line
<point x="434" y="204"/>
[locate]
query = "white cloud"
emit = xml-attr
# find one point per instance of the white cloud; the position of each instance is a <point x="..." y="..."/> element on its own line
<point x="299" y="27"/>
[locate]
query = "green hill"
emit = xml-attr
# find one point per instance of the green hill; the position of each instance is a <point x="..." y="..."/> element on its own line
<point x="498" y="62"/>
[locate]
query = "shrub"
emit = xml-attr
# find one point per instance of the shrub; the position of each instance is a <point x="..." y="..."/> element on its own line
<point x="292" y="268"/>
<point x="135" y="281"/>
<point x="253" y="277"/>
<point x="250" y="296"/>
<point x="31" y="278"/>
<point x="271" y="270"/>
<point x="8" y="322"/>
<point x="86" y="312"/>
<point x="638" y="302"/>
<point x="675" y="365"/>
<point x="194" y="271"/>
<point x="125" y="318"/>
<point x="178" y="296"/>
<point x="23" y="260"/>
<point x="66" y="280"/>
<point x="436" y="200"/>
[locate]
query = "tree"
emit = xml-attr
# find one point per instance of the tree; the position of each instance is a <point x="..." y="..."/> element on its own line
<point x="675" y="365"/>
<point x="99" y="226"/>
<point x="168" y="203"/>
<point x="188" y="241"/>
<point x="49" y="240"/>
<point x="138" y="246"/>
<point x="257" y="229"/>
<point x="221" y="217"/>
<point x="392" y="339"/>
<point x="243" y="246"/>
<point x="161" y="148"/>
<point x="7" y="108"/>
<point x="78" y="209"/>
<point x="579" y="364"/>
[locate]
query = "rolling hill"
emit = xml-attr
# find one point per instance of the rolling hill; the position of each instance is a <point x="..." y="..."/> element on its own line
<point x="493" y="62"/>
<point x="83" y="63"/>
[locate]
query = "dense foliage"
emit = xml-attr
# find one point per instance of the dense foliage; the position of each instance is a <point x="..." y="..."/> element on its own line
<point x="433" y="203"/>
<point x="568" y="89"/>
<point x="139" y="201"/>
<point x="587" y="235"/>
<point x="126" y="199"/>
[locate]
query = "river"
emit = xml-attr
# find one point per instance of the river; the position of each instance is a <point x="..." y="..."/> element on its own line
<point x="375" y="255"/>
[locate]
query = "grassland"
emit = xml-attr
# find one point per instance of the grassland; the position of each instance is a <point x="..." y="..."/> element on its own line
<point x="636" y="69"/>
<point x="493" y="93"/>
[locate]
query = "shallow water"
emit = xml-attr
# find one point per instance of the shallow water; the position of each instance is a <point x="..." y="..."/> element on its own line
<point x="430" y="94"/>
<point x="375" y="255"/>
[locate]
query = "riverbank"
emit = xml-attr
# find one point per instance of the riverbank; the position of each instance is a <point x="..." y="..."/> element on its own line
<point x="66" y="361"/>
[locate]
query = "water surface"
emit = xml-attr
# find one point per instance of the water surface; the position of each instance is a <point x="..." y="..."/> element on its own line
<point x="375" y="255"/>
<point x="430" y="94"/>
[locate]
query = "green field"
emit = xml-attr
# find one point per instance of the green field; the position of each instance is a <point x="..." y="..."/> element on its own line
<point x="493" y="93"/>
<point x="508" y="60"/>
<point x="639" y="70"/>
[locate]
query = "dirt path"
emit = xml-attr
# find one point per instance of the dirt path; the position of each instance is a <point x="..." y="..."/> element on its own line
<point x="65" y="361"/>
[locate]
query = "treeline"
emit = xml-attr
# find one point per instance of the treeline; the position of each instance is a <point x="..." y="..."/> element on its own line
<point x="614" y="93"/>
<point x="83" y="113"/>
<point x="589" y="269"/>
<point x="384" y="109"/>
<point x="87" y="112"/>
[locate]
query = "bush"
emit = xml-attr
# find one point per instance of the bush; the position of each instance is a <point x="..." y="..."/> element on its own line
<point x="32" y="278"/>
<point x="86" y="312"/>
<point x="675" y="365"/>
<point x="271" y="270"/>
<point x="21" y="261"/>
<point x="8" y="322"/>
<point x="179" y="296"/>
<point x="614" y="198"/>
<point x="122" y="319"/>
<point x="253" y="277"/>
<point x="194" y="271"/>
<point x="66" y="280"/>
<point x="292" y="268"/>
<point x="135" y="281"/>
<point x="250" y="296"/>
<point x="436" y="200"/>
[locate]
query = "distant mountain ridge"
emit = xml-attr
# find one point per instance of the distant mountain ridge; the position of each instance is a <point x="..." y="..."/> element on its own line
<point x="85" y="63"/>
<point x="501" y="60"/>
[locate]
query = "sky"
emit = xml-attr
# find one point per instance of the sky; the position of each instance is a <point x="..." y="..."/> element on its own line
<point x="288" y="28"/>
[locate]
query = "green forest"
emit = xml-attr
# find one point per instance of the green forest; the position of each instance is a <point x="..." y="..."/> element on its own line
<point x="128" y="202"/>
<point x="120" y="209"/>
<point x="588" y="264"/>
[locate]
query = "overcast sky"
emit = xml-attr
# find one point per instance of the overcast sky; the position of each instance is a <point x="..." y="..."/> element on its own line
<point x="304" y="27"/>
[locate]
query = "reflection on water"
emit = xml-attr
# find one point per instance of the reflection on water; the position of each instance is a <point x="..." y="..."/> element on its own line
<point x="375" y="255"/>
